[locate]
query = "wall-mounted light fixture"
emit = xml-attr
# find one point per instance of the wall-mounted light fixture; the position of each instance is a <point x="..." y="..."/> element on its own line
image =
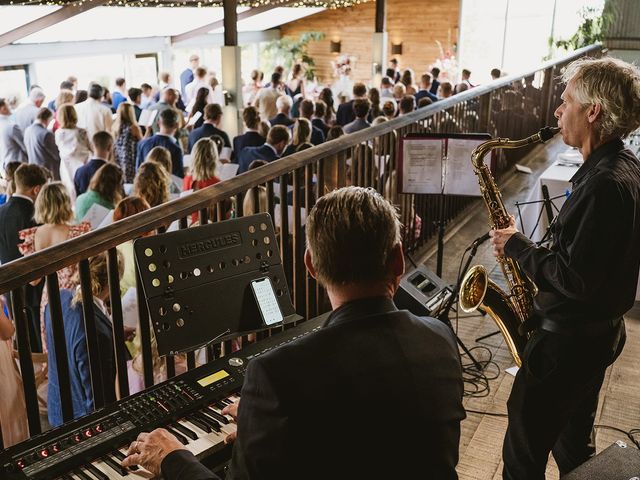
<point x="336" y="46"/>
<point x="396" y="48"/>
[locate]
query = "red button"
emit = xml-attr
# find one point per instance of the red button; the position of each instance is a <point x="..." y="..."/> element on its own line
<point x="20" y="464"/>
<point x="77" y="437"/>
<point x="88" y="433"/>
<point x="44" y="453"/>
<point x="55" y="448"/>
<point x="98" y="428"/>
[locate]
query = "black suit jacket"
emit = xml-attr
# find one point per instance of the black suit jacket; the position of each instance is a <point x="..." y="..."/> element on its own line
<point x="345" y="113"/>
<point x="376" y="393"/>
<point x="208" y="130"/>
<point x="249" y="154"/>
<point x="249" y="139"/>
<point x="281" y="119"/>
<point x="15" y="215"/>
<point x="319" y="123"/>
<point x="84" y="174"/>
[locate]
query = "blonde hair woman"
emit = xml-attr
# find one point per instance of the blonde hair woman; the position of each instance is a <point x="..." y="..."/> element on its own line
<point x="54" y="214"/>
<point x="73" y="144"/>
<point x="152" y="184"/>
<point x="301" y="136"/>
<point x="64" y="96"/>
<point x="204" y="166"/>
<point x="127" y="134"/>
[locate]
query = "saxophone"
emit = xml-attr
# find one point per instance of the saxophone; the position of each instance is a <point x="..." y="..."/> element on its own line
<point x="477" y="291"/>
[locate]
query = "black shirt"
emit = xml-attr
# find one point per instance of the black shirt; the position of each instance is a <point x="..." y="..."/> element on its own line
<point x="590" y="272"/>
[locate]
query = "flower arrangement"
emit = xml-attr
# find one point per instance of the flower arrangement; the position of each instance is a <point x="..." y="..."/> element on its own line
<point x="447" y="63"/>
<point x="341" y="64"/>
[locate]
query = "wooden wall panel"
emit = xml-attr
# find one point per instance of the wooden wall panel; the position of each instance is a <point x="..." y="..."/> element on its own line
<point x="415" y="23"/>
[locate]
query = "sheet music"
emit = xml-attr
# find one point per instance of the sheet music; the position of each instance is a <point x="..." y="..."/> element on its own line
<point x="130" y="308"/>
<point x="422" y="165"/>
<point x="187" y="160"/>
<point x="147" y="117"/>
<point x="95" y="215"/>
<point x="194" y="119"/>
<point x="108" y="220"/>
<point x="227" y="170"/>
<point x="225" y="154"/>
<point x="177" y="183"/>
<point x="459" y="177"/>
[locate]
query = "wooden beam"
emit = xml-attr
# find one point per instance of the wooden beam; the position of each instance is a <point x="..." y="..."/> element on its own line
<point x="196" y="32"/>
<point x="41" y="23"/>
<point x="230" y="22"/>
<point x="220" y="23"/>
<point x="381" y="16"/>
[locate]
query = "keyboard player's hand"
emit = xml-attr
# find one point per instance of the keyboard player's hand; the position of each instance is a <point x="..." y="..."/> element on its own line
<point x="231" y="410"/>
<point x="150" y="449"/>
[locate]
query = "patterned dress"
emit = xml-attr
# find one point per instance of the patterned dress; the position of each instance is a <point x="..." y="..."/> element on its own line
<point x="125" y="150"/>
<point x="65" y="275"/>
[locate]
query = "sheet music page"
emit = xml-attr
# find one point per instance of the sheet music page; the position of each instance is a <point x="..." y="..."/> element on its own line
<point x="225" y="154"/>
<point x="227" y="171"/>
<point x="95" y="215"/>
<point x="422" y="165"/>
<point x="130" y="308"/>
<point x="192" y="121"/>
<point x="147" y="117"/>
<point x="460" y="179"/>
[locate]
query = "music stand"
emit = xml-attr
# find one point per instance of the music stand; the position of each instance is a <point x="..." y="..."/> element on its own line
<point x="197" y="281"/>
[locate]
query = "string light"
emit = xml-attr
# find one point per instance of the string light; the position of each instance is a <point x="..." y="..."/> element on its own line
<point x="331" y="4"/>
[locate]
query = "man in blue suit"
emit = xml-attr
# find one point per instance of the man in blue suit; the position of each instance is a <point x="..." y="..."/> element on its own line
<point x="164" y="138"/>
<point x="425" y="87"/>
<point x="186" y="77"/>
<point x="102" y="146"/>
<point x="345" y="113"/>
<point x="277" y="140"/>
<point x="210" y="127"/>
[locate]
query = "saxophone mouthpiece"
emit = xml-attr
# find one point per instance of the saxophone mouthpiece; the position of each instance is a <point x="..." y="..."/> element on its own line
<point x="547" y="133"/>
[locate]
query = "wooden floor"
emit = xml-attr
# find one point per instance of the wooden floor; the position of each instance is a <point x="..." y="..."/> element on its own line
<point x="482" y="435"/>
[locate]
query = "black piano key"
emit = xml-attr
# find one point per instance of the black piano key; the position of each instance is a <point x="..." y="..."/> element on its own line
<point x="119" y="456"/>
<point x="206" y="414"/>
<point x="199" y="423"/>
<point x="181" y="438"/>
<point x="115" y="465"/>
<point x="221" y="418"/>
<point x="66" y="477"/>
<point x="184" y="430"/>
<point x="208" y="421"/>
<point x="96" y="472"/>
<point x="226" y="401"/>
<point x="81" y="474"/>
<point x="219" y="405"/>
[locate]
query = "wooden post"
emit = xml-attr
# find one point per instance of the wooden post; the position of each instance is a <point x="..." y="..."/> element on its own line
<point x="231" y="71"/>
<point x="380" y="42"/>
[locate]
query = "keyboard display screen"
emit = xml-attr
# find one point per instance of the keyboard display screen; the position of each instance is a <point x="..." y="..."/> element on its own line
<point x="214" y="377"/>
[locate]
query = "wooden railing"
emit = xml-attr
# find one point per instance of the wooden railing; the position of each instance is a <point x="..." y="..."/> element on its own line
<point x="366" y="158"/>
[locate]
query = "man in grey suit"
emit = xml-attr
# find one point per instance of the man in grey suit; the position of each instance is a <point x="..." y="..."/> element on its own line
<point x="361" y="107"/>
<point x="376" y="393"/>
<point x="12" y="147"/>
<point x="41" y="143"/>
<point x="26" y="113"/>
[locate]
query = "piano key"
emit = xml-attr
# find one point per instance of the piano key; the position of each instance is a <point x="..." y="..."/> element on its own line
<point x="218" y="416"/>
<point x="200" y="424"/>
<point x="219" y="405"/>
<point x="181" y="438"/>
<point x="213" y="423"/>
<point x="80" y="473"/>
<point x="120" y="455"/>
<point x="184" y="430"/>
<point x="96" y="472"/>
<point x="115" y="465"/>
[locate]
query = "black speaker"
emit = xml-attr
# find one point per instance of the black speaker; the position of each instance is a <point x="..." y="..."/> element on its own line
<point x="617" y="462"/>
<point x="422" y="292"/>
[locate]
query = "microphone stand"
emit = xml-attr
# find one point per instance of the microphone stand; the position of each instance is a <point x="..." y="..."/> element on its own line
<point x="443" y="316"/>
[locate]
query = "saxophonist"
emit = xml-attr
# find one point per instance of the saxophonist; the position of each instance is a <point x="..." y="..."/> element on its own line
<point x="587" y="278"/>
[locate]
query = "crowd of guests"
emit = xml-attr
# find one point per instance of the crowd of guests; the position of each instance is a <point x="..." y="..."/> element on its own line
<point x="88" y="152"/>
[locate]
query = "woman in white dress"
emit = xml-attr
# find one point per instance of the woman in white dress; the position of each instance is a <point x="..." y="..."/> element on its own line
<point x="73" y="144"/>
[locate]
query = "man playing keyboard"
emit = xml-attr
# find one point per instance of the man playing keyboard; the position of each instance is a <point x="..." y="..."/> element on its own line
<point x="376" y="393"/>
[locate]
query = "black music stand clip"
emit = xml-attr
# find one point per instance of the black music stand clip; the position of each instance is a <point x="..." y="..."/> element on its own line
<point x="197" y="281"/>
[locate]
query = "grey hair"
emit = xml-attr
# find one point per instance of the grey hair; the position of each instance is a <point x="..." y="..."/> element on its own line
<point x="612" y="84"/>
<point x="36" y="94"/>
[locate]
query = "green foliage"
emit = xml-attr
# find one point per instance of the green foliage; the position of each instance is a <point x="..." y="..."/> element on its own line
<point x="592" y="29"/>
<point x="288" y="51"/>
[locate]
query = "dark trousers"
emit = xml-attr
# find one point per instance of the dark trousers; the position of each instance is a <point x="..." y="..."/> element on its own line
<point x="554" y="399"/>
